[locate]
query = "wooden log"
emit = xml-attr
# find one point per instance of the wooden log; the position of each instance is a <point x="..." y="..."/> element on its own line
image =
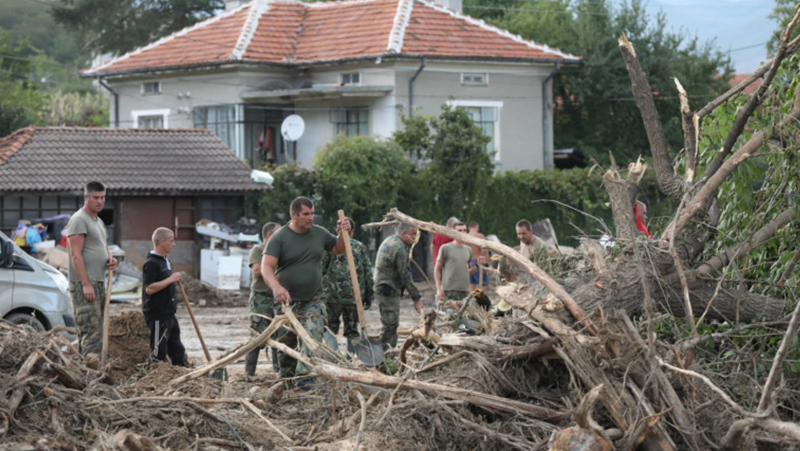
<point x="233" y="356"/>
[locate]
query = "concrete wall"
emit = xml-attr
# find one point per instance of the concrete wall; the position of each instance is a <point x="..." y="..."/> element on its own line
<point x="515" y="89"/>
<point x="182" y="256"/>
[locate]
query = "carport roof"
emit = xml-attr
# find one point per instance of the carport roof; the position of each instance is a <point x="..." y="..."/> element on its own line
<point x="126" y="161"/>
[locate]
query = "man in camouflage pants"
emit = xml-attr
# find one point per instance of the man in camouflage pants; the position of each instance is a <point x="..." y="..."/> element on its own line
<point x="89" y="260"/>
<point x="391" y="277"/>
<point x="291" y="265"/>
<point x="337" y="287"/>
<point x="261" y="301"/>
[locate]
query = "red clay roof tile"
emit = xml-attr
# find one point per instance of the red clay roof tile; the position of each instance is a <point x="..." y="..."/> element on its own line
<point x="289" y="31"/>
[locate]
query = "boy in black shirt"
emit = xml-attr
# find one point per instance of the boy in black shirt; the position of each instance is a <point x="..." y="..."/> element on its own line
<point x="158" y="301"/>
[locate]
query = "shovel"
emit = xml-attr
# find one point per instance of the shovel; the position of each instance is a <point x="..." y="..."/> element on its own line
<point x="219" y="373"/>
<point x="368" y="350"/>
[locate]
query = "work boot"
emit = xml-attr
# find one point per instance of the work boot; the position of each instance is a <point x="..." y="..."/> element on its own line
<point x="275" y="366"/>
<point x="250" y="362"/>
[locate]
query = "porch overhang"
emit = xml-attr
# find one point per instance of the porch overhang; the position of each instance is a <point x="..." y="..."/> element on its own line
<point x="316" y="92"/>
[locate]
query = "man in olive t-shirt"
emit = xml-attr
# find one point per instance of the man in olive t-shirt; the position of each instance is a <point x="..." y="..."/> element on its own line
<point x="89" y="260"/>
<point x="291" y="266"/>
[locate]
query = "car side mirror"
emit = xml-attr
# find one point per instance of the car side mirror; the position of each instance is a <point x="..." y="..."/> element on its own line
<point x="6" y="254"/>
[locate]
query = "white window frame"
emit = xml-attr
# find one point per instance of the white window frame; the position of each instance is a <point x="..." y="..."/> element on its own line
<point x="481" y="104"/>
<point x="472" y="84"/>
<point x="157" y="83"/>
<point x="164" y="112"/>
<point x="342" y="75"/>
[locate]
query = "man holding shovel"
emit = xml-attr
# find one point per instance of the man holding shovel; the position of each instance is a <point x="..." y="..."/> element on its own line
<point x="261" y="300"/>
<point x="158" y="301"/>
<point x="337" y="288"/>
<point x="291" y="267"/>
<point x="88" y="262"/>
<point x="391" y="277"/>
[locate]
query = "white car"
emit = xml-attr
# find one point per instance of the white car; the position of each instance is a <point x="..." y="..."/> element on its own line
<point x="31" y="291"/>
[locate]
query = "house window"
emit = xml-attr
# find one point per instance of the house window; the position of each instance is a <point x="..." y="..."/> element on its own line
<point x="150" y="122"/>
<point x="486" y="115"/>
<point x="351" y="121"/>
<point x="352" y="78"/>
<point x="151" y="88"/>
<point x="474" y="79"/>
<point x="221" y="120"/>
<point x="150" y="118"/>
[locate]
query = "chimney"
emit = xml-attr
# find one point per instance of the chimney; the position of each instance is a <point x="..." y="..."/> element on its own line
<point x="454" y="5"/>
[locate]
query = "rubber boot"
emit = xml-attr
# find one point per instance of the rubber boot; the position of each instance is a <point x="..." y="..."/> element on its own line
<point x="275" y="367"/>
<point x="250" y="362"/>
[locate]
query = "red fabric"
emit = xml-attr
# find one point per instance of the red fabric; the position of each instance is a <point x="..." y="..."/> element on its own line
<point x="439" y="241"/>
<point x="640" y="225"/>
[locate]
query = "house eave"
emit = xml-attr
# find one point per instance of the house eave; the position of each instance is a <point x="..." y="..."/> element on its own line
<point x="167" y="70"/>
<point x="320" y="92"/>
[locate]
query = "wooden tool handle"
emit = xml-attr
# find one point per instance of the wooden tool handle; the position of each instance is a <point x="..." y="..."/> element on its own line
<point x="106" y="305"/>
<point x="351" y="264"/>
<point x="194" y="321"/>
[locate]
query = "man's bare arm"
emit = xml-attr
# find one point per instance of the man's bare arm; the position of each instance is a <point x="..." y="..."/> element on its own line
<point x="155" y="287"/>
<point x="268" y="265"/>
<point x="79" y="266"/>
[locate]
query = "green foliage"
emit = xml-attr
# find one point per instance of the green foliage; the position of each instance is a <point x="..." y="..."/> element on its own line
<point x="597" y="113"/>
<point x="458" y="167"/>
<point x="19" y="99"/>
<point x="290" y="181"/>
<point x="360" y="175"/>
<point x="782" y="14"/>
<point x="760" y="188"/>
<point x="116" y="27"/>
<point x="32" y="23"/>
<point x="76" y="109"/>
<point x="535" y="195"/>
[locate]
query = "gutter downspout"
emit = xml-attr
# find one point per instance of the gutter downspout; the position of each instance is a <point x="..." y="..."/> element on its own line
<point x="103" y="83"/>
<point x="411" y="88"/>
<point x="545" y="164"/>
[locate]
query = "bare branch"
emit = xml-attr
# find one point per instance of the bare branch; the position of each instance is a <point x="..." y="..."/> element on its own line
<point x="748" y="150"/>
<point x="689" y="122"/>
<point x="777" y="363"/>
<point x="670" y="184"/>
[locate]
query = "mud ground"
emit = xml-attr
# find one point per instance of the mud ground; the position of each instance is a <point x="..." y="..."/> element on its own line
<point x="225" y="327"/>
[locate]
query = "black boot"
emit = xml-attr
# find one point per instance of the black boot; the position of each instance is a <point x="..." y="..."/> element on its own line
<point x="250" y="362"/>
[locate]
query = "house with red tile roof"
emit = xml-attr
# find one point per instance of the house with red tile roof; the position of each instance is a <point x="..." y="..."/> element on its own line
<point x="349" y="67"/>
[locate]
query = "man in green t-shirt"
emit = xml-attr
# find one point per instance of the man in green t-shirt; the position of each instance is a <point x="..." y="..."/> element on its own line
<point x="453" y="268"/>
<point x="88" y="263"/>
<point x="291" y="267"/>
<point x="261" y="301"/>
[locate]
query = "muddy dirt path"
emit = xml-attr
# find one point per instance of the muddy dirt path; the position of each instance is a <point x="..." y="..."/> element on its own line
<point x="225" y="327"/>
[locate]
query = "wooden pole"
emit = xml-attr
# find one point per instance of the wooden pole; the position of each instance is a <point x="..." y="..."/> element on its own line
<point x="106" y="305"/>
<point x="194" y="321"/>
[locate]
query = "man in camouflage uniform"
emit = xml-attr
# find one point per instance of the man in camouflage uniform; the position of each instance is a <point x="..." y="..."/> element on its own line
<point x="337" y="287"/>
<point x="261" y="300"/>
<point x="291" y="265"/>
<point x="88" y="263"/>
<point x="391" y="277"/>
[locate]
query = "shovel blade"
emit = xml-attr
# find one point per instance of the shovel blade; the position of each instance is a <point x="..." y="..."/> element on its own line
<point x="368" y="350"/>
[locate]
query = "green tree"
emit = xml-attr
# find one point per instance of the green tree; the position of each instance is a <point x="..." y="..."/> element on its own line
<point x="782" y="14"/>
<point x="595" y="111"/>
<point x="20" y="101"/>
<point x="361" y="175"/>
<point x="31" y="22"/>
<point x="116" y="27"/>
<point x="75" y="109"/>
<point x="290" y="181"/>
<point x="457" y="165"/>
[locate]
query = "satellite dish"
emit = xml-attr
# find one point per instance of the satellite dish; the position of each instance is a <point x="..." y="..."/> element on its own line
<point x="293" y="127"/>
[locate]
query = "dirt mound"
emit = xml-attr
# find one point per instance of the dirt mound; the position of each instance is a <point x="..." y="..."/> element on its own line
<point x="203" y="295"/>
<point x="128" y="346"/>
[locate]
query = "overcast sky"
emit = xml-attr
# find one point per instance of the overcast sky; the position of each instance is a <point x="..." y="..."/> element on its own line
<point x="739" y="26"/>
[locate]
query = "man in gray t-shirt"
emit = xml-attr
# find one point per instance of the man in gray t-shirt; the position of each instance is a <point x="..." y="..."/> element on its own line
<point x="453" y="268"/>
<point x="291" y="266"/>
<point x="89" y="260"/>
